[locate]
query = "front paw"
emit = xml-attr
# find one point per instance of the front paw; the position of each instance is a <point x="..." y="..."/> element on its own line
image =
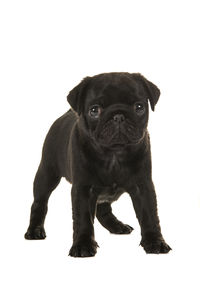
<point x="155" y="246"/>
<point x="37" y="233"/>
<point x="84" y="249"/>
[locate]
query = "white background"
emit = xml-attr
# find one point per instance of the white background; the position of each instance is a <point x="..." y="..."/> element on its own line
<point x="47" y="47"/>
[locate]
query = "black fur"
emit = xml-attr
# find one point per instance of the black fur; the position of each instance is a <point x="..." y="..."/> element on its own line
<point x="103" y="152"/>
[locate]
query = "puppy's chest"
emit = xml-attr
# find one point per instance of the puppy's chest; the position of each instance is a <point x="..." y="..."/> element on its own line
<point x="114" y="171"/>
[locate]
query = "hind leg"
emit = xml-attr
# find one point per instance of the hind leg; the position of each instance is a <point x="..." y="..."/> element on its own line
<point x="109" y="221"/>
<point x="45" y="182"/>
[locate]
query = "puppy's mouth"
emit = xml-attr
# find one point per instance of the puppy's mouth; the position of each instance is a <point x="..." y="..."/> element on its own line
<point x="119" y="140"/>
<point x="118" y="137"/>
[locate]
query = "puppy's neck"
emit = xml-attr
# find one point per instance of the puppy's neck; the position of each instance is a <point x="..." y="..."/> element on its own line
<point x="113" y="164"/>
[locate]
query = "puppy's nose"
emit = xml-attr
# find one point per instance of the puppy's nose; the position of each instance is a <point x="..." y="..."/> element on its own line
<point x="119" y="118"/>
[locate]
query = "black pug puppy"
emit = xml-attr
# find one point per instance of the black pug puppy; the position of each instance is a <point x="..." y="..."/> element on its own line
<point x="102" y="147"/>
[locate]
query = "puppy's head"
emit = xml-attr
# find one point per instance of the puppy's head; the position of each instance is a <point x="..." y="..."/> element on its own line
<point x="113" y="107"/>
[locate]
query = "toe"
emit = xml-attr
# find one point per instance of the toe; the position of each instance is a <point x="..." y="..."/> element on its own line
<point x="35" y="234"/>
<point x="83" y="250"/>
<point x="156" y="247"/>
<point x="121" y="228"/>
<point x="165" y="248"/>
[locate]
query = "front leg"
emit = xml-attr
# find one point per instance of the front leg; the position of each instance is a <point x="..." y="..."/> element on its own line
<point x="145" y="205"/>
<point x="83" y="210"/>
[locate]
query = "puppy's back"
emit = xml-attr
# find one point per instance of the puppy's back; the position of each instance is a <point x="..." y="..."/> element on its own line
<point x="54" y="153"/>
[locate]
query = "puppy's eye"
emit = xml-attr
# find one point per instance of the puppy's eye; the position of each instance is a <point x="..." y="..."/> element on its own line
<point x="139" y="108"/>
<point x="95" y="111"/>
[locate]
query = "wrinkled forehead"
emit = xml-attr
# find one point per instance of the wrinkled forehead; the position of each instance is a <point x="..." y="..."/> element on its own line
<point x="107" y="92"/>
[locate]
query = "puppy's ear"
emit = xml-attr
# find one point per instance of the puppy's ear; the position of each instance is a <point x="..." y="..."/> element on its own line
<point x="75" y="96"/>
<point x="152" y="90"/>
